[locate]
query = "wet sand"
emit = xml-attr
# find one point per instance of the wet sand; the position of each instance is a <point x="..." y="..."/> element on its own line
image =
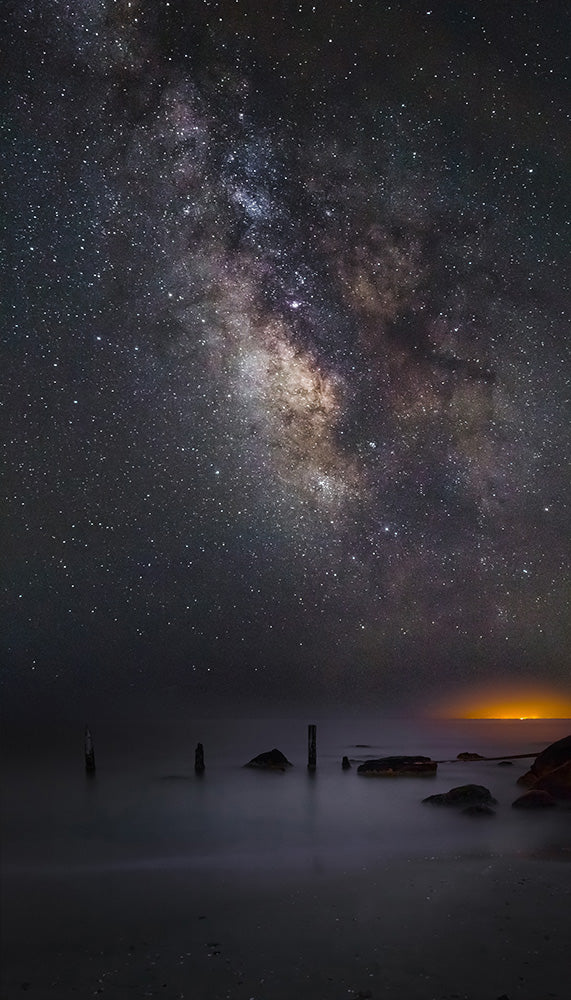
<point x="478" y="927"/>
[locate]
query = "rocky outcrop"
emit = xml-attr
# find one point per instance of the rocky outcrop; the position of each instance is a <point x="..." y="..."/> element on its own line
<point x="463" y="796"/>
<point x="551" y="770"/>
<point x="557" y="782"/>
<point x="396" y="767"/>
<point x="271" y="760"/>
<point x="534" y="799"/>
<point x="527" y="780"/>
<point x="470" y="756"/>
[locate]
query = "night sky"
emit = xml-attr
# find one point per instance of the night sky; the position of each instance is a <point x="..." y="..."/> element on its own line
<point x="286" y="350"/>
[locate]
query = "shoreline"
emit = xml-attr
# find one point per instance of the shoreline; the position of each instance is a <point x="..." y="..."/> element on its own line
<point x="241" y="886"/>
<point x="416" y="928"/>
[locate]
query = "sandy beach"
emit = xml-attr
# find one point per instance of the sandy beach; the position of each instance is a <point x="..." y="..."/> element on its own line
<point x="475" y="928"/>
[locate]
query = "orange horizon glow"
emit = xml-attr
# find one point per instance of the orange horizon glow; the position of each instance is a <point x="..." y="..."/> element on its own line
<point x="513" y="703"/>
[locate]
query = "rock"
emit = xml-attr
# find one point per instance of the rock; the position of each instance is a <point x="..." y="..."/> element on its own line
<point x="557" y="782"/>
<point x="346" y="764"/>
<point x="463" y="795"/>
<point x="527" y="780"/>
<point x="535" y="799"/>
<point x="394" y="767"/>
<point x="552" y="758"/>
<point x="271" y="760"/>
<point x="506" y="763"/>
<point x="470" y="756"/>
<point x="478" y="809"/>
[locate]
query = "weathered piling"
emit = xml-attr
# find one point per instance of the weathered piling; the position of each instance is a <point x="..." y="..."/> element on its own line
<point x="89" y="752"/>
<point x="311" y="747"/>
<point x="199" y="759"/>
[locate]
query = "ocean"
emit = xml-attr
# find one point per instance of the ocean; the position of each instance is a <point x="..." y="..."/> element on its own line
<point x="145" y="809"/>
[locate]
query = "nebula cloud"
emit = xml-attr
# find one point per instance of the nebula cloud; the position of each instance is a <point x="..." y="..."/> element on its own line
<point x="287" y="402"/>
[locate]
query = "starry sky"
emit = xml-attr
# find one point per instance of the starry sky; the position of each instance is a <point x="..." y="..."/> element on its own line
<point x="285" y="350"/>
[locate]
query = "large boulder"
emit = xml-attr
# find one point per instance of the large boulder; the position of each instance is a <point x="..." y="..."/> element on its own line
<point x="271" y="760"/>
<point x="557" y="782"/>
<point x="463" y="796"/>
<point x="553" y="761"/>
<point x="395" y="767"/>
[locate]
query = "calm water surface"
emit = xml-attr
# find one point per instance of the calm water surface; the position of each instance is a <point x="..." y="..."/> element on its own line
<point x="146" y="809"/>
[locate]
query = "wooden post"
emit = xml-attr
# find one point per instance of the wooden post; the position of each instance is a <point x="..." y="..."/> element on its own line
<point x="199" y="759"/>
<point x="311" y="748"/>
<point x="89" y="752"/>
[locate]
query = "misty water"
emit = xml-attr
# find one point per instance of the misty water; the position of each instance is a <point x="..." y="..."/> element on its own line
<point x="146" y="809"/>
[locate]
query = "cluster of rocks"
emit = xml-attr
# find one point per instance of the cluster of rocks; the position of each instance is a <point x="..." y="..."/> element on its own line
<point x="549" y="777"/>
<point x="548" y="781"/>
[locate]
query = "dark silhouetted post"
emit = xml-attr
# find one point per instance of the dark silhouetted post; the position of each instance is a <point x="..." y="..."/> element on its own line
<point x="199" y="759"/>
<point x="346" y="764"/>
<point x="89" y="752"/>
<point x="311" y="748"/>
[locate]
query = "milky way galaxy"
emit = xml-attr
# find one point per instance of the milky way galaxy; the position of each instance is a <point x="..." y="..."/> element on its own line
<point x="286" y="362"/>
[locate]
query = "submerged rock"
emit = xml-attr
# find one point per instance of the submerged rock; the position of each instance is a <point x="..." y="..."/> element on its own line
<point x="506" y="763"/>
<point x="534" y="799"/>
<point x="271" y="760"/>
<point x="463" y="795"/>
<point x="554" y="763"/>
<point x="394" y="767"/>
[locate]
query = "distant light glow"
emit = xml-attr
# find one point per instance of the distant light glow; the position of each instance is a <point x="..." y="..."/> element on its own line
<point x="507" y="702"/>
